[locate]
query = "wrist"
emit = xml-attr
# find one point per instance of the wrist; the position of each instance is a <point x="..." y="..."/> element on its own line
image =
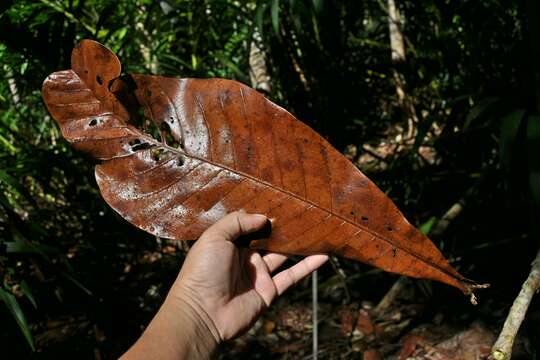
<point x="197" y="334"/>
<point x="178" y="331"/>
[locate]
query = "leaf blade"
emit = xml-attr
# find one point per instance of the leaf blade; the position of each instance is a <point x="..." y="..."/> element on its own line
<point x="13" y="306"/>
<point x="236" y="150"/>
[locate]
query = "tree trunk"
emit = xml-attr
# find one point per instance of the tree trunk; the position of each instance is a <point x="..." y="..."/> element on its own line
<point x="397" y="45"/>
<point x="258" y="72"/>
<point x="13" y="89"/>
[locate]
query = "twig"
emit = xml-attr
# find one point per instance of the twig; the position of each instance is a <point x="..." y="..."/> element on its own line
<point x="390" y="296"/>
<point x="502" y="350"/>
<point x="334" y="261"/>
<point x="366" y="149"/>
<point x="314" y="286"/>
<point x="448" y="217"/>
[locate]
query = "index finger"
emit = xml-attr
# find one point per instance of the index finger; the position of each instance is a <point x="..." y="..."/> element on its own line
<point x="297" y="272"/>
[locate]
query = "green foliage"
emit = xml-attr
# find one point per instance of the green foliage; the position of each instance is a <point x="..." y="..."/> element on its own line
<point x="13" y="305"/>
<point x="467" y="71"/>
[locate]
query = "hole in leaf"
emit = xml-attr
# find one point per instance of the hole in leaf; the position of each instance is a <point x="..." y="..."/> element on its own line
<point x="172" y="119"/>
<point x="136" y="112"/>
<point x="156" y="154"/>
<point x="148" y="93"/>
<point x="352" y="213"/>
<point x="93" y="122"/>
<point x="389" y="228"/>
<point x="142" y="146"/>
<point x="99" y="80"/>
<point x="134" y="142"/>
<point x="151" y="128"/>
<point x="164" y="126"/>
<point x="365" y="218"/>
<point x="180" y="162"/>
<point x="171" y="141"/>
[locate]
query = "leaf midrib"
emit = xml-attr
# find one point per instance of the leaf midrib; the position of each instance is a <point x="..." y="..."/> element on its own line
<point x="153" y="141"/>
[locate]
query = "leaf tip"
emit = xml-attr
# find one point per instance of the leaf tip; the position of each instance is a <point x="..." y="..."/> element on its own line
<point x="469" y="290"/>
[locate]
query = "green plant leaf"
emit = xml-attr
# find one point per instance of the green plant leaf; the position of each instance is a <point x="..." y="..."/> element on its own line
<point x="508" y="131"/>
<point x="13" y="306"/>
<point x="317" y="5"/>
<point x="28" y="293"/>
<point x="479" y="109"/>
<point x="259" y="16"/>
<point x="275" y="16"/>
<point x="15" y="185"/>
<point x="7" y="145"/>
<point x="76" y="282"/>
<point x="176" y="59"/>
<point x="232" y="66"/>
<point x="426" y="227"/>
<point x="25" y="247"/>
<point x="23" y="68"/>
<point x="423" y="129"/>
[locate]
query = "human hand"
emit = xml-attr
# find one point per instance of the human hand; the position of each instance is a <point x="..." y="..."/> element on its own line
<point x="232" y="285"/>
<point x="219" y="293"/>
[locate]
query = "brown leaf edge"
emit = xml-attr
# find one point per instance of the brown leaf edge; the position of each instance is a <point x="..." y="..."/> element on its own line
<point x="105" y="68"/>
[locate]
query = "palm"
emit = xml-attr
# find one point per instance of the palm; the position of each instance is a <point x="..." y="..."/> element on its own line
<point x="233" y="284"/>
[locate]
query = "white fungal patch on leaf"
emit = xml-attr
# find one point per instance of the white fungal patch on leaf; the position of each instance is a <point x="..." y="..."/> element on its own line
<point x="213" y="214"/>
<point x="179" y="212"/>
<point x="125" y="191"/>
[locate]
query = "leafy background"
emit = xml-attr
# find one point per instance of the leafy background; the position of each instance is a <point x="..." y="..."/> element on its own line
<point x="78" y="280"/>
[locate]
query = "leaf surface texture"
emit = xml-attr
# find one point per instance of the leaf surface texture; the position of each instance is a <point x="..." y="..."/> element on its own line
<point x="214" y="146"/>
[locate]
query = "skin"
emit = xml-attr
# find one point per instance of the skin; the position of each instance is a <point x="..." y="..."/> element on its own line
<point x="219" y="293"/>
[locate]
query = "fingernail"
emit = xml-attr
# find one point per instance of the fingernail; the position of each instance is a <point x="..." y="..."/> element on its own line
<point x="259" y="216"/>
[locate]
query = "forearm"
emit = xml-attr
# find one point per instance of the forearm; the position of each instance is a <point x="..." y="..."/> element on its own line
<point x="178" y="331"/>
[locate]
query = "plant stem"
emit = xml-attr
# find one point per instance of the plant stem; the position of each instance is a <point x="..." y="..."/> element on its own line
<point x="314" y="285"/>
<point x="502" y="350"/>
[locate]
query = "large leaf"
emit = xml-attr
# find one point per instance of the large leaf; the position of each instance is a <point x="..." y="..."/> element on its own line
<point x="225" y="147"/>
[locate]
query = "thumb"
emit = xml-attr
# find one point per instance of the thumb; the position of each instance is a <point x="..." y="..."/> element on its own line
<point x="233" y="225"/>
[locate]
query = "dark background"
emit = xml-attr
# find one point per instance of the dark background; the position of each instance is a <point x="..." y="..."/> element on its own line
<point x="78" y="280"/>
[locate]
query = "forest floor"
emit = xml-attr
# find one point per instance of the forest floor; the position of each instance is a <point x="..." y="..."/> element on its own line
<point x="128" y="280"/>
<point x="423" y="321"/>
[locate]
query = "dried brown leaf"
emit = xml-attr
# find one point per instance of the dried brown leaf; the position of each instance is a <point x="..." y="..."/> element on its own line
<point x="222" y="147"/>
